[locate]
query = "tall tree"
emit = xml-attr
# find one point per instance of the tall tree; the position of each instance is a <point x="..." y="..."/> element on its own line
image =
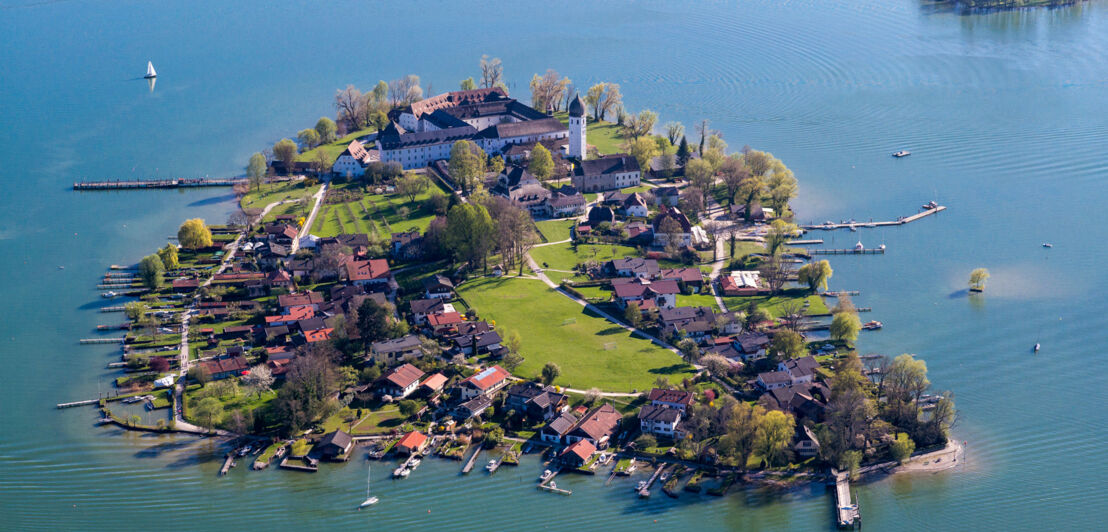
<point x="733" y="172"/>
<point x="208" y="411"/>
<point x="326" y="129"/>
<point x="373" y="322"/>
<point x="168" y="254"/>
<point x="779" y="234"/>
<point x="412" y="185"/>
<point x="194" y="234"/>
<point x="643" y="149"/>
<point x="699" y="173"/>
<point x="550" y="372"/>
<point x="674" y="131"/>
<point x="771" y="440"/>
<point x="405" y="90"/>
<point x="468" y="84"/>
<point x="594" y="98"/>
<point x="845" y="327"/>
<point x="641" y="124"/>
<point x="260" y="379"/>
<point x="150" y="270"/>
<point x="977" y="279"/>
<point x="742" y="429"/>
<point x="787" y="344"/>
<point x="348" y="104"/>
<point x="285" y="151"/>
<point x="815" y="274"/>
<point x="492" y="72"/>
<point x="548" y="91"/>
<point x="541" y="164"/>
<point x="467" y="164"/>
<point x="255" y="171"/>
<point x="469" y="232"/>
<point x="705" y="132"/>
<point x="308" y="138"/>
<point x="683" y="152"/>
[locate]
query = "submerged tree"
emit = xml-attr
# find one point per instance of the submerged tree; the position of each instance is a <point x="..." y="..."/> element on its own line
<point x="977" y="279"/>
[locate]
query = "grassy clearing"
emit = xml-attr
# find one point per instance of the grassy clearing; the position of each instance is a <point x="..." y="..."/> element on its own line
<point x="773" y="304"/>
<point x="563" y="257"/>
<point x="555" y="230"/>
<point x="606" y="136"/>
<point x="374" y="212"/>
<point x="334" y="149"/>
<point x="590" y="350"/>
<point x="272" y="192"/>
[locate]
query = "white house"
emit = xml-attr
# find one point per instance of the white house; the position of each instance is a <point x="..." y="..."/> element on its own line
<point x="401" y="381"/>
<point x="353" y="160"/>
<point x="658" y="419"/>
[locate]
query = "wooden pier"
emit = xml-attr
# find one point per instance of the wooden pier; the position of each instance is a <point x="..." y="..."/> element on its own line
<point x="875" y="251"/>
<point x="838" y="293"/>
<point x="472" y="460"/>
<point x="119" y="340"/>
<point x="645" y="492"/>
<point x="548" y="485"/>
<point x="228" y="463"/>
<point x="116" y="308"/>
<point x="156" y="183"/>
<point x="846" y="512"/>
<point x="812" y="242"/>
<point x="79" y="403"/>
<point x="861" y="225"/>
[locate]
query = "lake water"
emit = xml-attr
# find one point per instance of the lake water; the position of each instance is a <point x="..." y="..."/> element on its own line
<point x="1004" y="114"/>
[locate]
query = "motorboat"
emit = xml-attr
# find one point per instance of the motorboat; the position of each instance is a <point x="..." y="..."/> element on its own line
<point x="491" y="465"/>
<point x="641" y="485"/>
<point x="546" y="474"/>
<point x="901" y="153"/>
<point x="1047" y="245"/>
<point x="1037" y="347"/>
<point x="108" y="295"/>
<point x="929" y="205"/>
<point x="415" y="463"/>
<point x="873" y="325"/>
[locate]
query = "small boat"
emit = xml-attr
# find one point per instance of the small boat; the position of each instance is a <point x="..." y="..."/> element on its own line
<point x="108" y="295"/>
<point x="61" y="267"/>
<point x="491" y="465"/>
<point x="369" y="499"/>
<point x="150" y="72"/>
<point x="859" y="246"/>
<point x="1037" y="347"/>
<point x="929" y="205"/>
<point x="644" y="493"/>
<point x="546" y="474"/>
<point x="873" y="325"/>
<point x="415" y="463"/>
<point x="553" y="485"/>
<point x="1045" y="245"/>
<point x="853" y="228"/>
<point x="902" y="153"/>
<point x="405" y="472"/>
<point x="641" y="485"/>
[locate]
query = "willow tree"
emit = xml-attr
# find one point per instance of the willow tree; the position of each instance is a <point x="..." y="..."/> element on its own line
<point x="977" y="279"/>
<point x="815" y="274"/>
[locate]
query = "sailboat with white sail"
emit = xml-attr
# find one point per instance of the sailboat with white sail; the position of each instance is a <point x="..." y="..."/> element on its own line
<point x="150" y="72"/>
<point x="369" y="499"/>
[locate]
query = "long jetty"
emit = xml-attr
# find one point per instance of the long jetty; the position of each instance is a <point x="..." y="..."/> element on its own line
<point x="118" y="340"/>
<point x="846" y="512"/>
<point x="859" y="225"/>
<point x="549" y="485"/>
<point x="874" y="251"/>
<point x="645" y="492"/>
<point x="155" y="183"/>
<point x="472" y="460"/>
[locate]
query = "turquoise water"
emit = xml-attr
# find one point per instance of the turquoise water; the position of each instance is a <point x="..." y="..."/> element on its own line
<point x="1004" y="114"/>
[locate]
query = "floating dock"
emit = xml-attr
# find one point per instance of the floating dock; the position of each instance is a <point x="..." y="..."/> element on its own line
<point x="548" y="485"/>
<point x="119" y="340"/>
<point x="472" y="460"/>
<point x="156" y="183"/>
<point x="79" y="403"/>
<point x="116" y="308"/>
<point x="875" y="251"/>
<point x="846" y="512"/>
<point x="228" y="463"/>
<point x="861" y="225"/>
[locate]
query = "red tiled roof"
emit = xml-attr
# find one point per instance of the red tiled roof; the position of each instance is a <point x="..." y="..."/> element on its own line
<point x="487" y="378"/>
<point x="412" y="440"/>
<point x="404" y="376"/>
<point x="318" y="335"/>
<point x="435" y="381"/>
<point x="582" y="448"/>
<point x="446" y="318"/>
<point x="294" y="314"/>
<point x="366" y="270"/>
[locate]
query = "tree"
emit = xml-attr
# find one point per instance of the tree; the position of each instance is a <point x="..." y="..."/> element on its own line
<point x="326" y="129"/>
<point x="255" y="171"/>
<point x="511" y="361"/>
<point x="771" y="440"/>
<point x="977" y="279"/>
<point x="408" y="408"/>
<point x="468" y="84"/>
<point x="716" y="364"/>
<point x="689" y="350"/>
<point x="208" y="410"/>
<point x="674" y="131"/>
<point x="493" y="438"/>
<point x="285" y="151"/>
<point x="692" y="201"/>
<point x="643" y="149"/>
<point x="348" y="104"/>
<point x="905" y="382"/>
<point x="683" y="153"/>
<point x="704" y="132"/>
<point x="194" y="234"/>
<point x="594" y="98"/>
<point x="641" y="124"/>
<point x="781" y="185"/>
<point x="135" y="310"/>
<point x="815" y="274"/>
<point x="845" y="327"/>
<point x="412" y="185"/>
<point x="645" y="441"/>
<point x="168" y="254"/>
<point x="902" y="448"/>
<point x="496" y="164"/>
<point x="850" y="461"/>
<point x="733" y="173"/>
<point x="151" y="270"/>
<point x="542" y="164"/>
<point x="844" y="304"/>
<point x="699" y="173"/>
<point x="742" y="429"/>
<point x="260" y="379"/>
<point x="633" y="315"/>
<point x="309" y="383"/>
<point x="492" y="72"/>
<point x="159" y="364"/>
<point x="780" y="232"/>
<point x="612" y="99"/>
<point x="308" y="138"/>
<point x="550" y="372"/>
<point x="787" y="344"/>
<point x="467" y="164"/>
<point x="200" y="374"/>
<point x="373" y="322"/>
<point x="405" y="90"/>
<point x="547" y="91"/>
<point x="469" y="231"/>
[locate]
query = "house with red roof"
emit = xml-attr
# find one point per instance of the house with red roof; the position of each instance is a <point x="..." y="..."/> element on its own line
<point x="412" y="442"/>
<point x="293" y="315"/>
<point x="445" y="322"/>
<point x="662" y="293"/>
<point x="367" y="272"/>
<point x="577" y="453"/>
<point x="401" y="381"/>
<point x="434" y="383"/>
<point x="318" y="335"/>
<point x="485" y="382"/>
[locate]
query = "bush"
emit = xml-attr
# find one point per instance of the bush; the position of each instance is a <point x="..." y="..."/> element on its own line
<point x="902" y="448"/>
<point x="645" y="441"/>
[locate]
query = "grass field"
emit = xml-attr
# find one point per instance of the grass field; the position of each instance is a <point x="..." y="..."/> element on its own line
<point x="773" y="304"/>
<point x="373" y="212"/>
<point x="606" y="136"/>
<point x="562" y="256"/>
<point x="555" y="230"/>
<point x="334" y="149"/>
<point x="272" y="192"/>
<point x="590" y="350"/>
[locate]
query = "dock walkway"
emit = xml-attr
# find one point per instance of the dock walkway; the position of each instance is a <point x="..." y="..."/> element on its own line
<point x="472" y="460"/>
<point x="645" y="492"/>
<point x="549" y="485"/>
<point x="155" y="183"/>
<point x="861" y="225"/>
<point x="846" y="512"/>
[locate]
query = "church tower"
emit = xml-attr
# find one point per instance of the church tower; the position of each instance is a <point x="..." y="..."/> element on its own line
<point x="577" y="128"/>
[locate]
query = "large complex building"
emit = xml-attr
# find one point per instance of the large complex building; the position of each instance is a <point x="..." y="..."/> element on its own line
<point x="425" y="131"/>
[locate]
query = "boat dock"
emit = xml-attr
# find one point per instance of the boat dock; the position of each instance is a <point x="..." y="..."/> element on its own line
<point x="494" y="465"/>
<point x="119" y="340"/>
<point x="228" y="463"/>
<point x="838" y="293"/>
<point x="117" y="308"/>
<point x="812" y="242"/>
<point x="472" y="460"/>
<point x="155" y="183"/>
<point x="846" y="512"/>
<point x="875" y="251"/>
<point x="645" y="491"/>
<point x="859" y="225"/>
<point x="549" y="485"/>
<point x="79" y="403"/>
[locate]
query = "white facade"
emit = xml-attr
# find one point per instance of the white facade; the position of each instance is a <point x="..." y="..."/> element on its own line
<point x="346" y="164"/>
<point x="577" y="134"/>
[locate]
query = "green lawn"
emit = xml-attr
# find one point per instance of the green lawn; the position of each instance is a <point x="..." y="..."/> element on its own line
<point x="562" y="256"/>
<point x="590" y="350"/>
<point x="334" y="149"/>
<point x="606" y="136"/>
<point x="555" y="230"/>
<point x="773" y="303"/>
<point x="271" y="192"/>
<point x="374" y="212"/>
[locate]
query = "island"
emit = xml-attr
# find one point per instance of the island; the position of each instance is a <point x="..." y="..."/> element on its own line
<point x="469" y="273"/>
